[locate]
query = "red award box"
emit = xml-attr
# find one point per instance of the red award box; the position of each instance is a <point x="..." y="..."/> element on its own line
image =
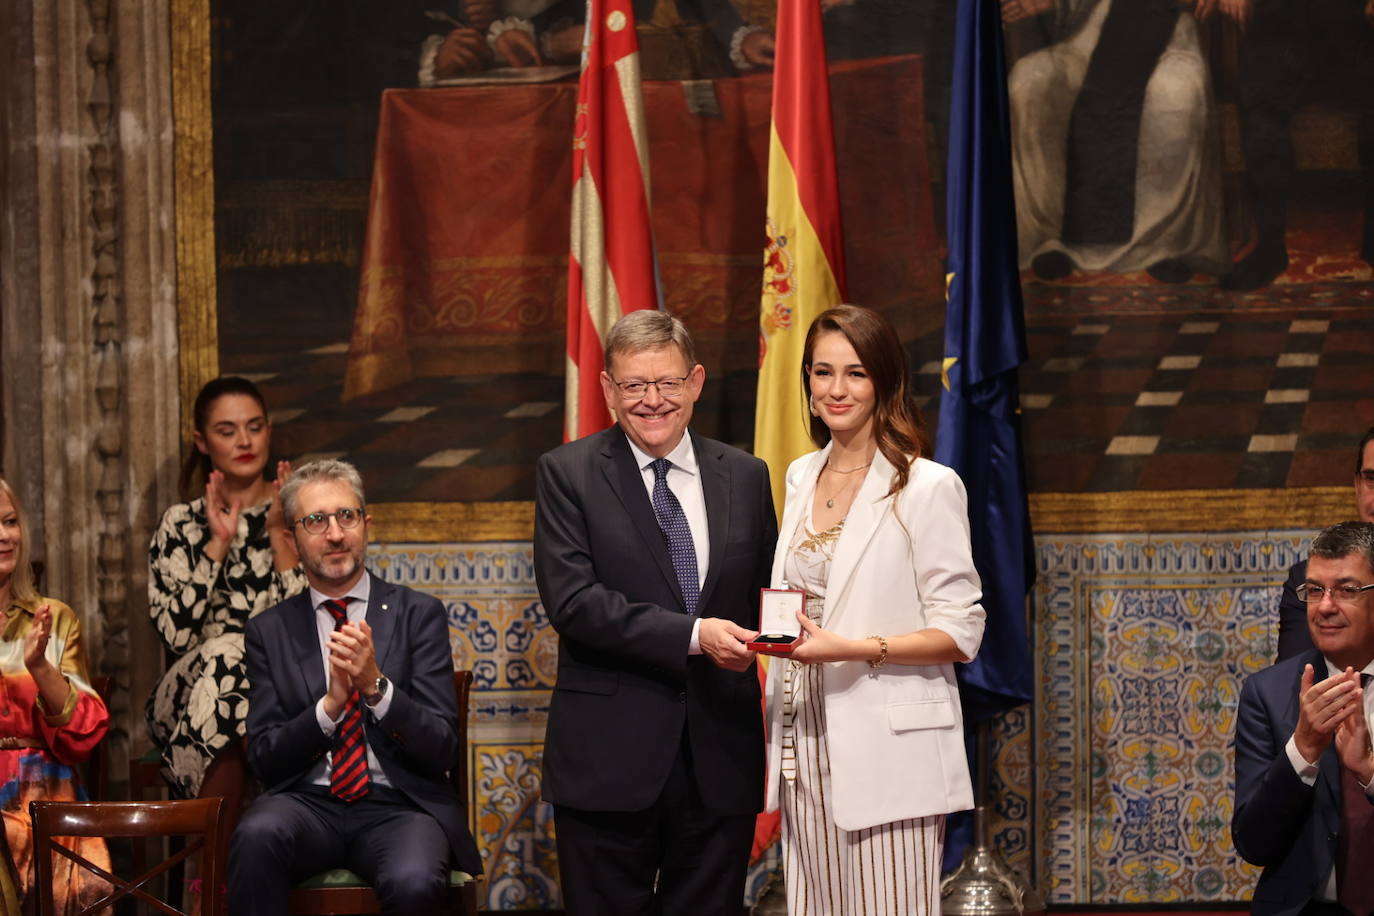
<point x="778" y="624"/>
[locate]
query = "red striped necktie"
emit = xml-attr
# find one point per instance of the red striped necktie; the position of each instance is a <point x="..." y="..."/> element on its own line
<point x="348" y="777"/>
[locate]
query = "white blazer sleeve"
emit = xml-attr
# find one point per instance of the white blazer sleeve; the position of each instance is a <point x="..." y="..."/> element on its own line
<point x="935" y="512"/>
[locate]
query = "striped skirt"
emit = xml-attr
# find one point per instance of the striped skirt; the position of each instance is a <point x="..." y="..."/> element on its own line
<point x="889" y="869"/>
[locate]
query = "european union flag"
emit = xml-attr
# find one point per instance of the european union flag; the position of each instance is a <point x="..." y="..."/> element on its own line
<point x="979" y="432"/>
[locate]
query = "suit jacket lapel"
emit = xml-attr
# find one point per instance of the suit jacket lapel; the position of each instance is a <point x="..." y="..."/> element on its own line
<point x="715" y="487"/>
<point x="627" y="482"/>
<point x="305" y="644"/>
<point x="381" y="617"/>
<point x="870" y="505"/>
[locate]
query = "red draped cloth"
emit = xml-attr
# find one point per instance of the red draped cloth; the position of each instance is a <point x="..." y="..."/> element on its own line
<point x="464" y="267"/>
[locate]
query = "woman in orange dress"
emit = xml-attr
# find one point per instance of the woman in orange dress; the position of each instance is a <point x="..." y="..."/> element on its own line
<point x="50" y="719"/>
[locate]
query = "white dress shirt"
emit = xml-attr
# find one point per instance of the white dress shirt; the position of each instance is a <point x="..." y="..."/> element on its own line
<point x="356" y="599"/>
<point x="684" y="479"/>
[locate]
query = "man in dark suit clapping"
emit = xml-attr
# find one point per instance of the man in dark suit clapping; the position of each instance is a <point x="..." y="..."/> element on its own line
<point x="1303" y="762"/>
<point x="352" y="724"/>
<point x="651" y="544"/>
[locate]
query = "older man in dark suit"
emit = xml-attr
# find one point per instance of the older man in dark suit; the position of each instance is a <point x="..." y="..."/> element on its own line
<point x="352" y="724"/>
<point x="651" y="544"/>
<point x="1303" y="762"/>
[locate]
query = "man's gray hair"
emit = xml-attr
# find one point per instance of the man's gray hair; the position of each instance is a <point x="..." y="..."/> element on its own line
<point x="324" y="469"/>
<point x="1344" y="539"/>
<point x="648" y="329"/>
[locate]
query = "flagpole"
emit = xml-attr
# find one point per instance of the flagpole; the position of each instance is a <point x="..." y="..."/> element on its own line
<point x="985" y="884"/>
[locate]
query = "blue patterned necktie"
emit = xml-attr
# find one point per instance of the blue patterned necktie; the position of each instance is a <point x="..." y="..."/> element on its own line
<point x="678" y="534"/>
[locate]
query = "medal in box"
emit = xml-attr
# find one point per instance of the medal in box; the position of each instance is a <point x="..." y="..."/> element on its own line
<point x="778" y="624"/>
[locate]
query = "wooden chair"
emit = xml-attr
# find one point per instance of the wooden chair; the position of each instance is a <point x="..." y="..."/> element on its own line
<point x="197" y="819"/>
<point x="342" y="891"/>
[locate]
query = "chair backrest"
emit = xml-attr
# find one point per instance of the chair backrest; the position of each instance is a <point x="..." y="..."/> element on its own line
<point x="197" y="819"/>
<point x="458" y="776"/>
<point x="98" y="765"/>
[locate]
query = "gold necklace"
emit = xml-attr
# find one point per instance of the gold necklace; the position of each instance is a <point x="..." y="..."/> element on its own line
<point x="830" y="503"/>
<point x="846" y="470"/>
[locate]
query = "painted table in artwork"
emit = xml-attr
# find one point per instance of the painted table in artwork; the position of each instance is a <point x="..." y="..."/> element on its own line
<point x="464" y="267"/>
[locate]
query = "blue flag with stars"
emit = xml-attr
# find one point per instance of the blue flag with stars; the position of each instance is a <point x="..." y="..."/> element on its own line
<point x="979" y="433"/>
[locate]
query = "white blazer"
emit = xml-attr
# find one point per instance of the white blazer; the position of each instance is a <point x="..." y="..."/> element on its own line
<point x="895" y="734"/>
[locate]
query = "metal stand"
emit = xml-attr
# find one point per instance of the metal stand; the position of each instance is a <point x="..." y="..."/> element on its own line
<point x="984" y="884"/>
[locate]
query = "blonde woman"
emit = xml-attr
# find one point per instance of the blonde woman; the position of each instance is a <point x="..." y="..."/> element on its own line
<point x="50" y="719"/>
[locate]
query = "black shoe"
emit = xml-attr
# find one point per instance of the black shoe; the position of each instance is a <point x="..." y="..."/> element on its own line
<point x="1257" y="269"/>
<point x="1170" y="270"/>
<point x="1052" y="265"/>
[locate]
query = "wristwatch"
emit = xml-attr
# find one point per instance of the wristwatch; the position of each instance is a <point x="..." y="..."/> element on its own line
<point x="378" y="688"/>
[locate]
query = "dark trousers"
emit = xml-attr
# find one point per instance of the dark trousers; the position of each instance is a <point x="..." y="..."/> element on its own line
<point x="677" y="858"/>
<point x="286" y="837"/>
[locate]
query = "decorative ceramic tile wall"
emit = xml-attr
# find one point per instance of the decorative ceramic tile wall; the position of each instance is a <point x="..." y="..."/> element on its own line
<point x="1114" y="788"/>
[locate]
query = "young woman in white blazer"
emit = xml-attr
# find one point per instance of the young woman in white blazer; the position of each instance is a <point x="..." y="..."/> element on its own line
<point x="866" y="741"/>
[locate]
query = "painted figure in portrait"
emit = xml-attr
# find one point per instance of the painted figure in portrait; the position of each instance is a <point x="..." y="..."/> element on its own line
<point x="1117" y="165"/>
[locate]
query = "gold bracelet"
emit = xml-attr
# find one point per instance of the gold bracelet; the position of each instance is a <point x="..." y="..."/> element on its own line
<point x="882" y="652"/>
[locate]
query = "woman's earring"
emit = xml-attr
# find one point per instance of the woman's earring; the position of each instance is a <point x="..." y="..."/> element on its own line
<point x="811" y="402"/>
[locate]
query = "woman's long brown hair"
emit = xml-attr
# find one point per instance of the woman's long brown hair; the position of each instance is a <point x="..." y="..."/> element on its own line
<point x="897" y="423"/>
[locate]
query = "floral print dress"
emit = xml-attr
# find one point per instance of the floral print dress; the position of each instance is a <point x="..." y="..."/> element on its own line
<point x="200" y="609"/>
<point x="39" y="751"/>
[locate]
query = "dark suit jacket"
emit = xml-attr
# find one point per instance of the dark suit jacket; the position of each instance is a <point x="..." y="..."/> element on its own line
<point x="1279" y="823"/>
<point x="415" y="744"/>
<point x="1294" y="636"/>
<point x="626" y="685"/>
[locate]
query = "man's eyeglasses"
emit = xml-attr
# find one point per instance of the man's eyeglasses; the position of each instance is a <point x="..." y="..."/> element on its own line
<point x="1366" y="477"/>
<point x="635" y="390"/>
<point x="1341" y="594"/>
<point x="318" y="522"/>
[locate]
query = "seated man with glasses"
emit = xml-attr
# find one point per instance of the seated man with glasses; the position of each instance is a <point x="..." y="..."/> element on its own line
<point x="650" y="546"/>
<point x="352" y="725"/>
<point x="1293" y="638"/>
<point x="1304" y="809"/>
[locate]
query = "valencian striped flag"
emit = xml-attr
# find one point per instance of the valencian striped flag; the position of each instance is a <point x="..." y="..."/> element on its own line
<point x="611" y="267"/>
<point x="979" y="431"/>
<point x="803" y="265"/>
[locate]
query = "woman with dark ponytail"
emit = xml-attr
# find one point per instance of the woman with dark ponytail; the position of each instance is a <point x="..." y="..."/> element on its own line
<point x="214" y="562"/>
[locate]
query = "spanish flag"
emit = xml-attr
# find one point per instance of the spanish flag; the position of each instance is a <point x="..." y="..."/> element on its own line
<point x="803" y="264"/>
<point x="611" y="268"/>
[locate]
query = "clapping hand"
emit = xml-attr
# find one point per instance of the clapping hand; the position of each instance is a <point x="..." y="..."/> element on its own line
<point x="1352" y="741"/>
<point x="36" y="640"/>
<point x="221" y="513"/>
<point x="351" y="649"/>
<point x="1322" y="707"/>
<point x="276" y="517"/>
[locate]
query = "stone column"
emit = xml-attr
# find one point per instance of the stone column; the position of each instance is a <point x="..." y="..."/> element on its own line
<point x="91" y="409"/>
